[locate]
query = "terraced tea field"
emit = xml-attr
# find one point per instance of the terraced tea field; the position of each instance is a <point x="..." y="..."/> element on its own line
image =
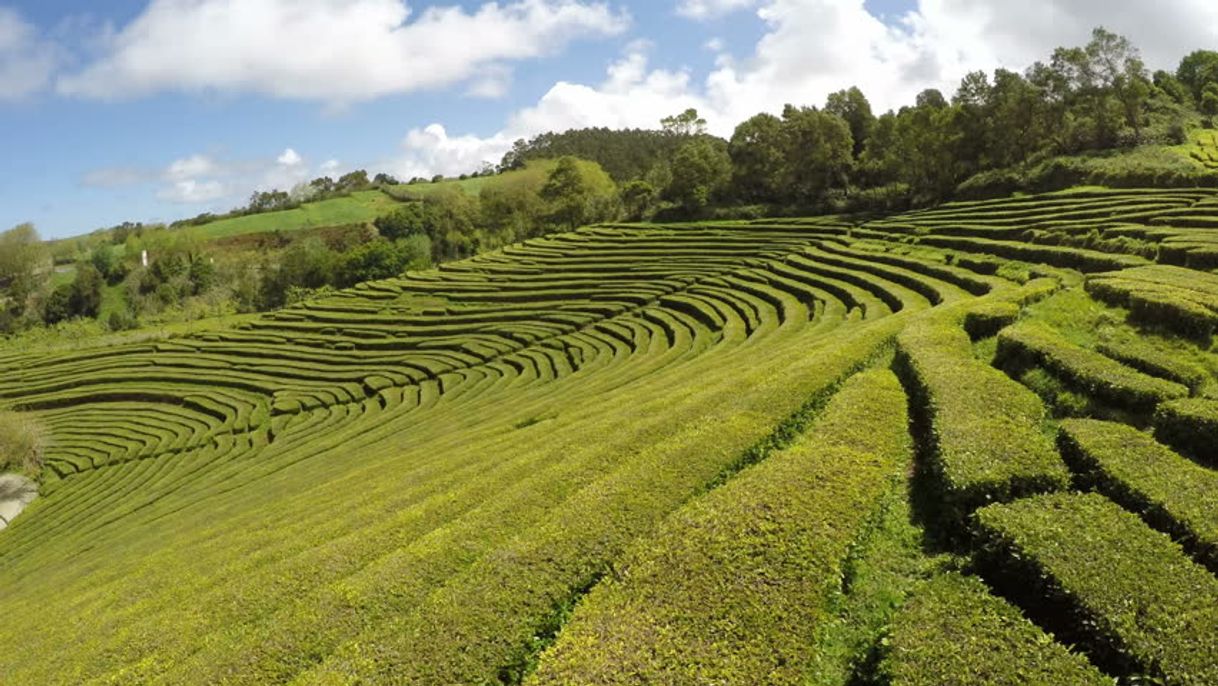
<point x="968" y="445"/>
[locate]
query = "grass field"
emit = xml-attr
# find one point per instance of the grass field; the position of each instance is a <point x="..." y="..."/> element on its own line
<point x="361" y="206"/>
<point x="965" y="445"/>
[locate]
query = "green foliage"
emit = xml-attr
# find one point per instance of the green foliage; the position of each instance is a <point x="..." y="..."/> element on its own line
<point x="1190" y="425"/>
<point x="578" y="192"/>
<point x="987" y="320"/>
<point x="1091" y="559"/>
<point x="953" y="632"/>
<point x="1031" y="344"/>
<point x="733" y="586"/>
<point x="1180" y="300"/>
<point x="701" y="170"/>
<point x="982" y="429"/>
<point x="1172" y="493"/>
<point x="21" y="444"/>
<point x="686" y="124"/>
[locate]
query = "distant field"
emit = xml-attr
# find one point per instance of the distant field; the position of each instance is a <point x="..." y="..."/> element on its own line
<point x="358" y="207"/>
<point x="472" y="186"/>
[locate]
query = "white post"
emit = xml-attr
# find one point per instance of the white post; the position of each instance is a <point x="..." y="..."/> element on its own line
<point x="144" y="258"/>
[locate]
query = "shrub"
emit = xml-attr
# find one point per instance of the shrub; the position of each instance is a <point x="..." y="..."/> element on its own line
<point x="732" y="586"/>
<point x="1147" y="359"/>
<point x="953" y="632"/>
<point x="1125" y="591"/>
<point x="1172" y="493"/>
<point x="1030" y="344"/>
<point x="1190" y="425"/>
<point x="21" y="444"/>
<point x="987" y="320"/>
<point x="983" y="428"/>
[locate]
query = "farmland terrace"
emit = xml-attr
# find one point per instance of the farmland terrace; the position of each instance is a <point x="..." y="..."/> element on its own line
<point x="971" y="444"/>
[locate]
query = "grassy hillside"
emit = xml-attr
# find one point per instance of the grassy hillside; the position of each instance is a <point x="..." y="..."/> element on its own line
<point x="782" y="452"/>
<point x="361" y="206"/>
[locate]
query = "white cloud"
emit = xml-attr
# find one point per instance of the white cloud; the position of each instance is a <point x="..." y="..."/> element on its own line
<point x="193" y="192"/>
<point x="706" y="9"/>
<point x="814" y="47"/>
<point x="289" y="158"/>
<point x="26" y="60"/>
<point x="218" y="184"/>
<point x="336" y="51"/>
<point x="193" y="166"/>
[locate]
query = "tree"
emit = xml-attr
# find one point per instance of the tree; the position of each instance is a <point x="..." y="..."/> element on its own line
<point x="1198" y="70"/>
<point x="579" y="192"/>
<point x="23" y="266"/>
<point x="568" y="194"/>
<point x="758" y="151"/>
<point x="1209" y="100"/>
<point x="852" y="106"/>
<point x="406" y="220"/>
<point x="353" y="181"/>
<point x="701" y="170"/>
<point x="818" y="153"/>
<point x="638" y="198"/>
<point x="688" y="123"/>
<point x="378" y="259"/>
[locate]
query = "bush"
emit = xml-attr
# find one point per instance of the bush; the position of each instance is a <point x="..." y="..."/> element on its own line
<point x="1191" y="426"/>
<point x="983" y="428"/>
<point x="1125" y="591"/>
<point x="21" y="444"/>
<point x="1032" y="344"/>
<point x="1172" y="493"/>
<point x="1147" y="359"/>
<point x="953" y="632"/>
<point x="987" y="320"/>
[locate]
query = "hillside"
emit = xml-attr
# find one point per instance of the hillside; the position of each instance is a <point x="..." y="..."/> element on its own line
<point x="905" y="451"/>
<point x="356" y="208"/>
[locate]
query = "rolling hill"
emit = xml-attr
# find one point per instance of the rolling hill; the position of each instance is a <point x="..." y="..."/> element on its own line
<point x="971" y="444"/>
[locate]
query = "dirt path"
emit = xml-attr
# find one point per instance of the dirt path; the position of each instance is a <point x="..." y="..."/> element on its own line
<point x="15" y="493"/>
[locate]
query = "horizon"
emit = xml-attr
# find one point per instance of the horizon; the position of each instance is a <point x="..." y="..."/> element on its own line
<point x="128" y="124"/>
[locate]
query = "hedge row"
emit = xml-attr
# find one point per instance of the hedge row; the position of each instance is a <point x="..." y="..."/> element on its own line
<point x="983" y="428"/>
<point x="1174" y="308"/>
<point x="1148" y="359"/>
<point x="1034" y="344"/>
<point x="986" y="320"/>
<point x="1070" y="258"/>
<point x="1126" y="591"/>
<point x="1169" y="491"/>
<point x="1191" y="426"/>
<point x="953" y="632"/>
<point x="732" y="589"/>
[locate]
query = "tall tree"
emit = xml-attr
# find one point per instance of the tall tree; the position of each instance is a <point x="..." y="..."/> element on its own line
<point x="758" y="150"/>
<point x="852" y="106"/>
<point x="701" y="170"/>
<point x="688" y="123"/>
<point x="1197" y="70"/>
<point x="818" y="153"/>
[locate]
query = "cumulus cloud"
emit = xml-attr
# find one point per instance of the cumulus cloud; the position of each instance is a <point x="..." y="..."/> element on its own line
<point x="193" y="192"/>
<point x="706" y="9"/>
<point x="336" y="51"/>
<point x="811" y="48"/>
<point x="631" y="96"/>
<point x="26" y="59"/>
<point x="203" y="179"/>
<point x="289" y="158"/>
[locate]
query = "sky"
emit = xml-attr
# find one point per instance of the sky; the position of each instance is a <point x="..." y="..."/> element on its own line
<point x="155" y="110"/>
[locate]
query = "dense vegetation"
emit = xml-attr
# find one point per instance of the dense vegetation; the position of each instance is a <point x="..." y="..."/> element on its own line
<point x="495" y="436"/>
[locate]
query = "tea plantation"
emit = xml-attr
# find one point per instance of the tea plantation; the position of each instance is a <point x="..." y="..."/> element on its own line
<point x="975" y="444"/>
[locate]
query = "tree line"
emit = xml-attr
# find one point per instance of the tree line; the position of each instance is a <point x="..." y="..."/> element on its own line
<point x="995" y="134"/>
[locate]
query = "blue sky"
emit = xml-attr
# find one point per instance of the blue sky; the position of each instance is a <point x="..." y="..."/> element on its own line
<point x="159" y="109"/>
